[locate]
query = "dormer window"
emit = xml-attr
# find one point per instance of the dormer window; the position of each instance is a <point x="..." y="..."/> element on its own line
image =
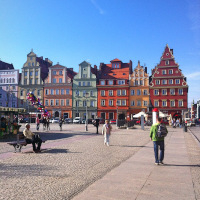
<point x="121" y="82"/>
<point x="110" y="82"/>
<point x="167" y="62"/>
<point x="102" y="82"/>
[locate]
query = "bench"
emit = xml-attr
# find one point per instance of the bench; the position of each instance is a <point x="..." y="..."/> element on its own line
<point x="20" y="143"/>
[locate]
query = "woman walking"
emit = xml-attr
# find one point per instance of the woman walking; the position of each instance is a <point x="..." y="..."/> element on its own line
<point x="106" y="131"/>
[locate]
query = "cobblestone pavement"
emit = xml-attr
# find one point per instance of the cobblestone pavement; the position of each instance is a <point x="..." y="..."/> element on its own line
<point x="72" y="160"/>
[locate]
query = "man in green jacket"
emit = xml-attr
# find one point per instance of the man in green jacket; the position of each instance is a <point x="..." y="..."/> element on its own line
<point x="157" y="141"/>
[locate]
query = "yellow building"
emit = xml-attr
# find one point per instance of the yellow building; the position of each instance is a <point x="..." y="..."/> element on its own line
<point x="139" y="90"/>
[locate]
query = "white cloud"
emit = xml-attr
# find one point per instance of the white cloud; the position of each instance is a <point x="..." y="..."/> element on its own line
<point x="194" y="76"/>
<point x="101" y="11"/>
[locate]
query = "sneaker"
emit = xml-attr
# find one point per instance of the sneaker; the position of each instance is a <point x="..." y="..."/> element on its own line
<point x="161" y="162"/>
<point x="156" y="163"/>
<point x="108" y="145"/>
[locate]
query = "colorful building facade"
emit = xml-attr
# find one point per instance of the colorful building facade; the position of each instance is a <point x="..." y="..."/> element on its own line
<point x="58" y="92"/>
<point x="113" y="90"/>
<point x="168" y="86"/>
<point x="85" y="92"/>
<point x="139" y="90"/>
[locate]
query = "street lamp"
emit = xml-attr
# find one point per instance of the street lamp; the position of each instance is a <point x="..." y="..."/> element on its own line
<point x="86" y="118"/>
<point x="117" y="116"/>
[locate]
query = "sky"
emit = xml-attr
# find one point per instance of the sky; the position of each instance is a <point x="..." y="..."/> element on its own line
<point x="73" y="31"/>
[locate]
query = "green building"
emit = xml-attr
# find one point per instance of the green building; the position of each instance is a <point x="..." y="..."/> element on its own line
<point x="84" y="94"/>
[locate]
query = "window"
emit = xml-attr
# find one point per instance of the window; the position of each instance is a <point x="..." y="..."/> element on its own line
<point x="110" y="82"/>
<point x="123" y="102"/>
<point x="145" y="92"/>
<point x="39" y="93"/>
<point x="170" y="71"/>
<point x="77" y="103"/>
<point x="88" y="83"/>
<point x="102" y="82"/>
<point x="60" y="80"/>
<point x="92" y="103"/>
<point x="25" y="81"/>
<point x="54" y="80"/>
<point x="102" y="92"/>
<point x="46" y="91"/>
<point x="60" y="72"/>
<point x="118" y="92"/>
<point x="91" y="93"/>
<point x="31" y="73"/>
<point x="31" y="81"/>
<point x="46" y="102"/>
<point x="13" y="80"/>
<point x="123" y="92"/>
<point x="57" y="102"/>
<point x="110" y="92"/>
<point x="25" y="73"/>
<point x="67" y="91"/>
<point x="67" y="102"/>
<point x="156" y="103"/>
<point x="156" y="92"/>
<point x="62" y="102"/>
<point x="177" y="81"/>
<point x="132" y="103"/>
<point x="141" y="82"/>
<point x="36" y="81"/>
<point x="84" y="103"/>
<point x="52" y="91"/>
<point x="167" y="62"/>
<point x="79" y="83"/>
<point x="62" y="91"/>
<point x="77" y="93"/>
<point x="172" y="103"/>
<point x="164" y="72"/>
<point x="138" y="92"/>
<point x="136" y="82"/>
<point x="103" y="103"/>
<point x="51" y="102"/>
<point x="164" y="103"/>
<point x="139" y="103"/>
<point x="32" y="63"/>
<point x="36" y="73"/>
<point x="172" y="91"/>
<point x="118" y="102"/>
<point x="145" y="103"/>
<point x="180" y="91"/>
<point x="121" y="82"/>
<point x="180" y="103"/>
<point x="164" y="92"/>
<point x="110" y="102"/>
<point x="83" y="83"/>
<point x="54" y="72"/>
<point x="0" y="96"/>
<point x="164" y="82"/>
<point x="132" y="92"/>
<point x="57" y="91"/>
<point x="84" y="92"/>
<point x="170" y="81"/>
<point x="21" y="93"/>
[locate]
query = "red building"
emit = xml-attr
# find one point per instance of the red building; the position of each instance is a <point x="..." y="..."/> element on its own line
<point x="168" y="86"/>
<point x="113" y="90"/>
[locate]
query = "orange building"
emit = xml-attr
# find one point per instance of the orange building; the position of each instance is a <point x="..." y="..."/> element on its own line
<point x="113" y="90"/>
<point x="139" y="90"/>
<point x="58" y="91"/>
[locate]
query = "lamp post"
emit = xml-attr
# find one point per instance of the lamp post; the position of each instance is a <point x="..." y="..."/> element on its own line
<point x="117" y="116"/>
<point x="86" y="118"/>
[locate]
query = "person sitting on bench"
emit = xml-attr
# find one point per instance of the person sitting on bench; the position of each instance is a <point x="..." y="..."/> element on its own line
<point x="31" y="138"/>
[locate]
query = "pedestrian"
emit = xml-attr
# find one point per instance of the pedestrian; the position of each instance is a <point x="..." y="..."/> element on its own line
<point x="158" y="142"/>
<point x="106" y="131"/>
<point x="44" y="121"/>
<point x="48" y="124"/>
<point x="60" y="123"/>
<point x="32" y="138"/>
<point x="37" y="123"/>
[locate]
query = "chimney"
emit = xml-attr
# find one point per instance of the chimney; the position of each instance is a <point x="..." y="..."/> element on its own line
<point x="145" y="69"/>
<point x="95" y="67"/>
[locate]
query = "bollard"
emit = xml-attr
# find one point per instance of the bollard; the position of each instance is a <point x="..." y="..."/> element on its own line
<point x="185" y="128"/>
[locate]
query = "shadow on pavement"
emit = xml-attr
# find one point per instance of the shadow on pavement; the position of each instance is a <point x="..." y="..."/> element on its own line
<point x="175" y="165"/>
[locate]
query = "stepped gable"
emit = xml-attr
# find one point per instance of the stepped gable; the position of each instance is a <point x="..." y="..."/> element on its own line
<point x="5" y="66"/>
<point x="167" y="56"/>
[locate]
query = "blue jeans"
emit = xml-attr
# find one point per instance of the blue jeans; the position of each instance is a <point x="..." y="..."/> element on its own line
<point x="156" y="145"/>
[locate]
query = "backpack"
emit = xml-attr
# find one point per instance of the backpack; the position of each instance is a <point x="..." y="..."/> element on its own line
<point x="161" y="131"/>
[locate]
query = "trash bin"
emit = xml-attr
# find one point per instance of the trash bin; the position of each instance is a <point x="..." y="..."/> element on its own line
<point x="185" y="128"/>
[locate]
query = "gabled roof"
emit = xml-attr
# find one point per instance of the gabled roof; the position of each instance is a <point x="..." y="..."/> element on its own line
<point x="5" y="66"/>
<point x="116" y="60"/>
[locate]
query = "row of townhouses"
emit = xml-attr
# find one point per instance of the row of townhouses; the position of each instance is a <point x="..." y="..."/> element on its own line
<point x="110" y="91"/>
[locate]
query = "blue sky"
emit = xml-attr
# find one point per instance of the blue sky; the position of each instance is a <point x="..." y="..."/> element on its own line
<point x="71" y="31"/>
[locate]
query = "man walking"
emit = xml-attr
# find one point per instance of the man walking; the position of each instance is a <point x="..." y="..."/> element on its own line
<point x="158" y="141"/>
